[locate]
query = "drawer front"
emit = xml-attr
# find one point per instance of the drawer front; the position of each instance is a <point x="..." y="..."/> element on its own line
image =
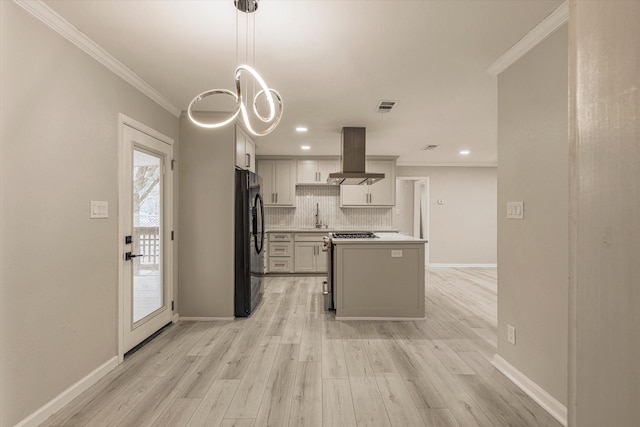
<point x="280" y="264"/>
<point x="309" y="237"/>
<point x="280" y="249"/>
<point x="279" y="237"/>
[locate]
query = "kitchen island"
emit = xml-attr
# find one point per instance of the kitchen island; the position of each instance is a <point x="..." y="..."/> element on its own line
<point x="381" y="278"/>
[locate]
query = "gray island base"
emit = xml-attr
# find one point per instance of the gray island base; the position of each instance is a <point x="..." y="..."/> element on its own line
<point x="380" y="279"/>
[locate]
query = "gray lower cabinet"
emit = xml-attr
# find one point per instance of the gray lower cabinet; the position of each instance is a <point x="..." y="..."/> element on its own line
<point x="280" y="253"/>
<point x="296" y="253"/>
<point x="379" y="280"/>
<point x="308" y="254"/>
<point x="279" y="264"/>
<point x="309" y="257"/>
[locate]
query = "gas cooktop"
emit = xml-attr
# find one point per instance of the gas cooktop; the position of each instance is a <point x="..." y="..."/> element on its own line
<point x="355" y="235"/>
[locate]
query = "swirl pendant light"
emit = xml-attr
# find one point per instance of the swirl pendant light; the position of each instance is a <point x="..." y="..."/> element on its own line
<point x="271" y="96"/>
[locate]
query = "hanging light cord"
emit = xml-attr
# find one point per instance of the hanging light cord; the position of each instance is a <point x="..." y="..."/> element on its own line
<point x="271" y="95"/>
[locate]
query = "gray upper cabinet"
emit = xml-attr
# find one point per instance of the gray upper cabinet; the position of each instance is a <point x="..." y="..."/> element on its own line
<point x="245" y="150"/>
<point x="311" y="172"/>
<point x="382" y="193"/>
<point x="278" y="182"/>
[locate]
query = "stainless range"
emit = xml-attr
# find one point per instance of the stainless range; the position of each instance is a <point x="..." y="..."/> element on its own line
<point x="328" y="246"/>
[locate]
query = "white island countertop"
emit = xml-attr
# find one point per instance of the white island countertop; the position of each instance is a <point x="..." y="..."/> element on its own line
<point x="323" y="230"/>
<point x="382" y="237"/>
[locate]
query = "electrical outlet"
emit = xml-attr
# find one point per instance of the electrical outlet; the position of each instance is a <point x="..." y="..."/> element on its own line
<point x="511" y="334"/>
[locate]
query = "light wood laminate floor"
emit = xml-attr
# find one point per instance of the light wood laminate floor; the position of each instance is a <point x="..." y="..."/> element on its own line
<point x="291" y="364"/>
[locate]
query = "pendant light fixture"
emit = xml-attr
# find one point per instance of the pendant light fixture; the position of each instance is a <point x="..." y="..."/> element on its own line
<point x="242" y="74"/>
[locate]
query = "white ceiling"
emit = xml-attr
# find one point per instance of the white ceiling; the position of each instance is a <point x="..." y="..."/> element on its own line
<point x="332" y="61"/>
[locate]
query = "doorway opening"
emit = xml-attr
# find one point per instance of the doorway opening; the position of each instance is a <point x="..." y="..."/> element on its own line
<point x="411" y="213"/>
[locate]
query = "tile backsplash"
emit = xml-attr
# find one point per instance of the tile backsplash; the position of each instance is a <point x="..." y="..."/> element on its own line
<point x="328" y="200"/>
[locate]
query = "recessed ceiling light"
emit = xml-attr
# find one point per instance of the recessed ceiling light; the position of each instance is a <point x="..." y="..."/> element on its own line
<point x="301" y="129"/>
<point x="464" y="152"/>
<point x="305" y="147"/>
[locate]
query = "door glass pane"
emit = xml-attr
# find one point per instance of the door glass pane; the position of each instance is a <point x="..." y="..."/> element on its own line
<point x="147" y="223"/>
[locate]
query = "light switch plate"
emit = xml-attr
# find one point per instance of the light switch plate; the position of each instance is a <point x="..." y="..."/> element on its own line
<point x="515" y="210"/>
<point x="396" y="254"/>
<point x="99" y="209"/>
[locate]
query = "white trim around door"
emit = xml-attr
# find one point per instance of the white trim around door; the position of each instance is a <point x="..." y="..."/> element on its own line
<point x="165" y="144"/>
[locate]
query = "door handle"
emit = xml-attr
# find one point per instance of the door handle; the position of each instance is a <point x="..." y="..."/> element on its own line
<point x="129" y="255"/>
<point x="325" y="288"/>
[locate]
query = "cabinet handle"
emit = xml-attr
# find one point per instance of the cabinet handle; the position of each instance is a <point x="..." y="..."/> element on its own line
<point x="248" y="159"/>
<point x="317" y="176"/>
<point x="276" y="197"/>
<point x="273" y="198"/>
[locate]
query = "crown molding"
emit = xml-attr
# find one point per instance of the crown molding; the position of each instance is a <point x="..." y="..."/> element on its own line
<point x="551" y="23"/>
<point x="448" y="164"/>
<point x="60" y="25"/>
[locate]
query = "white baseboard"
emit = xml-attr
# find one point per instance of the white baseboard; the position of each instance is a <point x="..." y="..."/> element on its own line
<point x="176" y="318"/>
<point x="445" y="265"/>
<point x="58" y="402"/>
<point x="207" y="319"/>
<point x="386" y="319"/>
<point x="549" y="403"/>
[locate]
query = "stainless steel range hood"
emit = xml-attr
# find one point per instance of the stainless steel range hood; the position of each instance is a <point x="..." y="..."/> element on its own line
<point x="353" y="160"/>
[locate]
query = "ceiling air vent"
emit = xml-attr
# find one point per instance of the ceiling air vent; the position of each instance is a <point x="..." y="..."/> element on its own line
<point x="429" y="147"/>
<point x="385" y="106"/>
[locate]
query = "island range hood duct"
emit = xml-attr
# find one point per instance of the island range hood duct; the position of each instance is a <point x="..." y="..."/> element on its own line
<point x="353" y="160"/>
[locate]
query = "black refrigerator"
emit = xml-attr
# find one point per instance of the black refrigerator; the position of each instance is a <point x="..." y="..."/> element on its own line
<point x="249" y="243"/>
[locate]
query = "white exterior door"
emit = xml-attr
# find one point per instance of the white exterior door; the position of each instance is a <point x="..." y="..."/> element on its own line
<point x="146" y="223"/>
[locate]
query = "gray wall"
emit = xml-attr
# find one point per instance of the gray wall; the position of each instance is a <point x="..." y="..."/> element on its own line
<point x="605" y="214"/>
<point x="403" y="211"/>
<point x="207" y="174"/>
<point x="532" y="253"/>
<point x="463" y="229"/>
<point x="59" y="268"/>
